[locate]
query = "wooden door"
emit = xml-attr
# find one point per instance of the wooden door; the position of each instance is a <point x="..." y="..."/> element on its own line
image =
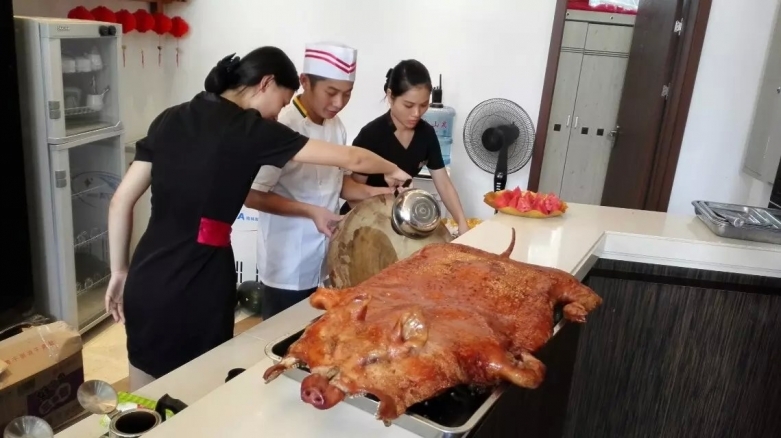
<point x="648" y="76"/>
<point x="596" y="106"/>
<point x="563" y="105"/>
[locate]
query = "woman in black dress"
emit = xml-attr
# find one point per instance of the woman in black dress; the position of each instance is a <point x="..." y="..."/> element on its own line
<point x="404" y="138"/>
<point x="200" y="158"/>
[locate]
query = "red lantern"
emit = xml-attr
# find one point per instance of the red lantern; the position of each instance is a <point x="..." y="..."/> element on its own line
<point x="128" y="23"/>
<point x="163" y="24"/>
<point x="144" y="21"/>
<point x="179" y="28"/>
<point x="127" y="20"/>
<point x="80" y="13"/>
<point x="102" y="13"/>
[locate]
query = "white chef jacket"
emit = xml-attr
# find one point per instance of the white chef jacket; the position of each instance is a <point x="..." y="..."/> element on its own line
<point x="291" y="252"/>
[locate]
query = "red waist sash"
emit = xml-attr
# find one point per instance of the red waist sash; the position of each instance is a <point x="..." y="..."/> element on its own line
<point x="214" y="233"/>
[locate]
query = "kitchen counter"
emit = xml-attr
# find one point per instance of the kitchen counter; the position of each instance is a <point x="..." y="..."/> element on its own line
<point x="246" y="406"/>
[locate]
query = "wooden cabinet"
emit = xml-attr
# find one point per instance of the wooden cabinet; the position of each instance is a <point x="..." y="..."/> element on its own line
<point x="672" y="352"/>
<point x="763" y="152"/>
<point x="589" y="81"/>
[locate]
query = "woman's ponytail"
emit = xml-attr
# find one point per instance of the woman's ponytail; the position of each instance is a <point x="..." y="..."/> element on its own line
<point x="223" y="76"/>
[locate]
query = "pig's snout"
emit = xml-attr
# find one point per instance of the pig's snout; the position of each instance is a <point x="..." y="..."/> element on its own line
<point x="318" y="392"/>
<point x="314" y="397"/>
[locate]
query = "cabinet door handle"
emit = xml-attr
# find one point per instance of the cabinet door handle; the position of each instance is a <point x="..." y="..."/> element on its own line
<point x="568" y="119"/>
<point x="576" y="122"/>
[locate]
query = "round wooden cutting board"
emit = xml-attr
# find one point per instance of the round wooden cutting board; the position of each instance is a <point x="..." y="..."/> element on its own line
<point x="364" y="243"/>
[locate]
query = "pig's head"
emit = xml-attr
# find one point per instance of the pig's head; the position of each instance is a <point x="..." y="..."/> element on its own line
<point x="353" y="351"/>
<point x="364" y="356"/>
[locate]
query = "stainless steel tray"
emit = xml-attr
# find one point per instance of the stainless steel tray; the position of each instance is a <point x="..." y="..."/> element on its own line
<point x="740" y="222"/>
<point x="473" y="405"/>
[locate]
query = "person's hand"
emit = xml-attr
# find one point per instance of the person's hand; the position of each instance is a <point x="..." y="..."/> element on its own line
<point x="378" y="191"/>
<point x="397" y="178"/>
<point x="114" y="296"/>
<point x="325" y="220"/>
<point x="463" y="228"/>
<point x="404" y="189"/>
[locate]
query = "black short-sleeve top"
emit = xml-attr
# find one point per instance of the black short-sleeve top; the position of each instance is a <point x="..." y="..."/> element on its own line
<point x="205" y="154"/>
<point x="379" y="137"/>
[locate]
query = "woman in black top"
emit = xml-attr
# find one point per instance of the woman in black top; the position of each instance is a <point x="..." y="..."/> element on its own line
<point x="200" y="158"/>
<point x="402" y="137"/>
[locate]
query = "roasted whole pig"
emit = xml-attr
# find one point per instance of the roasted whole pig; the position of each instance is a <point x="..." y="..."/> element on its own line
<point x="448" y="315"/>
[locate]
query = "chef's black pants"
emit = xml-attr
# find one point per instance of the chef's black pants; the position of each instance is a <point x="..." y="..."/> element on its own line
<point x="274" y="300"/>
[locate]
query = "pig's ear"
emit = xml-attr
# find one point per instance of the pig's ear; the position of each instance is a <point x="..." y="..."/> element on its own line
<point x="359" y="307"/>
<point x="411" y="329"/>
<point x="325" y="298"/>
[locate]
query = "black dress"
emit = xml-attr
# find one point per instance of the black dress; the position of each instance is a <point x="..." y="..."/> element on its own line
<point x="379" y="137"/>
<point x="180" y="293"/>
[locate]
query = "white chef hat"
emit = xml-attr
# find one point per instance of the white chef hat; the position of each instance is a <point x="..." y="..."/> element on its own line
<point x="330" y="60"/>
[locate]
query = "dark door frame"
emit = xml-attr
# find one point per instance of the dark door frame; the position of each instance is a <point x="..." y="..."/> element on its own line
<point x="668" y="148"/>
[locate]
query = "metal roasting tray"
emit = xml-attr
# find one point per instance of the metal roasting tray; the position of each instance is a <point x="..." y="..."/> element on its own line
<point x="740" y="222"/>
<point x="453" y="414"/>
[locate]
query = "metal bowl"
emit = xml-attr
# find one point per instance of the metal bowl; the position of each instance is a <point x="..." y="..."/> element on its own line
<point x="28" y="427"/>
<point x="415" y="214"/>
<point x="97" y="397"/>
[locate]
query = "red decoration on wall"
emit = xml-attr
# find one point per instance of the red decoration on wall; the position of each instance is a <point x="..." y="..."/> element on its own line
<point x="102" y="13"/>
<point x="163" y="24"/>
<point x="80" y="13"/>
<point x="584" y="5"/>
<point x="144" y="21"/>
<point x="127" y="20"/>
<point x="179" y="28"/>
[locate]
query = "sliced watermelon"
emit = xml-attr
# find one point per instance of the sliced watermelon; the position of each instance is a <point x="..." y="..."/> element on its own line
<point x="525" y="202"/>
<point x="541" y="205"/>
<point x="501" y="201"/>
<point x="552" y="202"/>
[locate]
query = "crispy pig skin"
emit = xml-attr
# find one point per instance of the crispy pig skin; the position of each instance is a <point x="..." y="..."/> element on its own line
<point x="448" y="315"/>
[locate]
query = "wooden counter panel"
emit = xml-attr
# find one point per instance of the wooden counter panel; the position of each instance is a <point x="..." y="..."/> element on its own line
<point x="663" y="357"/>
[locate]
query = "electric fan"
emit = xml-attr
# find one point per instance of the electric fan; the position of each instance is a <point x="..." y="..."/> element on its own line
<point x="498" y="137"/>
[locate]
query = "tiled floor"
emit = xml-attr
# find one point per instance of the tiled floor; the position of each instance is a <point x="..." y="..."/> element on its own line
<point x="105" y="353"/>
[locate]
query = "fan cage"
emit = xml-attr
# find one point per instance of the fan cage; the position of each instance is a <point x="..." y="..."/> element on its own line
<point x="492" y="113"/>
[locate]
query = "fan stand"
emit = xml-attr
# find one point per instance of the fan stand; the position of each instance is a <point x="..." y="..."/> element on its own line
<point x="500" y="174"/>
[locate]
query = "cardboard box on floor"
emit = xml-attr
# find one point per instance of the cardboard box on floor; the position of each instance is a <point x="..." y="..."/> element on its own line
<point x="44" y="371"/>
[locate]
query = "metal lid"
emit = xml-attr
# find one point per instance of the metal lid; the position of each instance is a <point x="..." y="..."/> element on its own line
<point x="415" y="213"/>
<point x="97" y="397"/>
<point x="28" y="427"/>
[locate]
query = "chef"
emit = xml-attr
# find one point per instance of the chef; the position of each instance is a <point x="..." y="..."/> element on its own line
<point x="299" y="203"/>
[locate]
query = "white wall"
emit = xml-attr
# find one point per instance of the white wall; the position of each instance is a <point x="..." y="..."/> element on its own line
<point x="711" y="161"/>
<point x="496" y="49"/>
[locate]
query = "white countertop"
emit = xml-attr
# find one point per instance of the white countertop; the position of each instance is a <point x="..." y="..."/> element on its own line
<point x="247" y="407"/>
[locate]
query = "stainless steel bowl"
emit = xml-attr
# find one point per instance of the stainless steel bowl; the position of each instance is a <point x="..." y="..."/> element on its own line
<point x="28" y="427"/>
<point x="98" y="397"/>
<point x="415" y="213"/>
